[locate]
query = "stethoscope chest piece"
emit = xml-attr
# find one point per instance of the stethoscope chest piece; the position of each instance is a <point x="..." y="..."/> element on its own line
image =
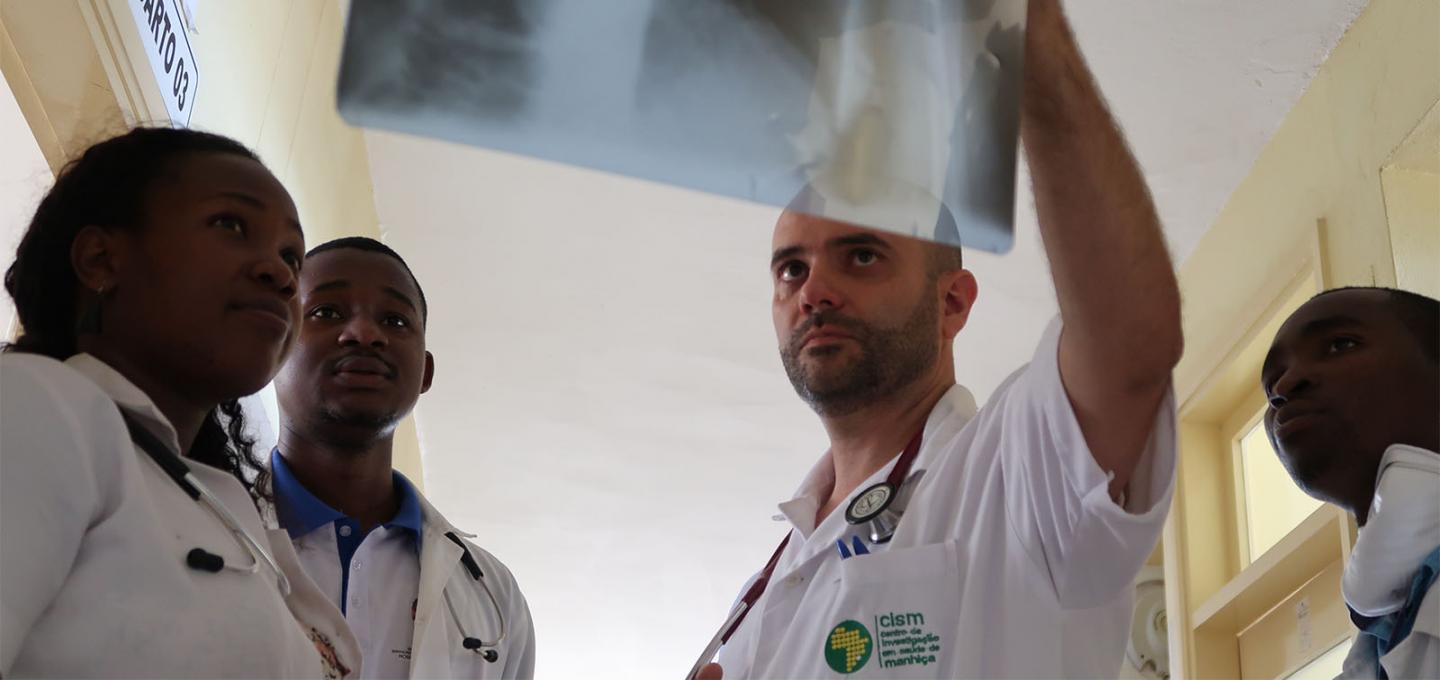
<point x="873" y="506"/>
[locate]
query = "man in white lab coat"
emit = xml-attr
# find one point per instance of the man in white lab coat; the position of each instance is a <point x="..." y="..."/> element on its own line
<point x="1353" y="381"/>
<point x="1000" y="541"/>
<point x="423" y="601"/>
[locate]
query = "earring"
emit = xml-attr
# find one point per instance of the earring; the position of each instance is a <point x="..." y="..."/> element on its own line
<point x="89" y="323"/>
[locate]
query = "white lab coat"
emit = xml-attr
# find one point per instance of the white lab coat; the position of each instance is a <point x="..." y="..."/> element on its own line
<point x="1402" y="531"/>
<point x="436" y="650"/>
<point x="396" y="604"/>
<point x="1011" y="559"/>
<point x="93" y="538"/>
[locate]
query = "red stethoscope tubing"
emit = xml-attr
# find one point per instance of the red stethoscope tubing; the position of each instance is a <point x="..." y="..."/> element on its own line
<point x="752" y="595"/>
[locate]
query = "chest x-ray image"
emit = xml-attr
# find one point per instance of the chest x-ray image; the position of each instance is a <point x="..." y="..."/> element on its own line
<point x="896" y="114"/>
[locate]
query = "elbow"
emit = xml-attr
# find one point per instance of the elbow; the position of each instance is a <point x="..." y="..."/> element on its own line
<point x="1171" y="346"/>
<point x="1173" y="335"/>
<point x="1162" y="336"/>
<point x="1165" y="346"/>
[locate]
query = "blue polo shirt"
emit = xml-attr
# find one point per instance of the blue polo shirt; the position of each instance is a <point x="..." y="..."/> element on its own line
<point x="300" y="513"/>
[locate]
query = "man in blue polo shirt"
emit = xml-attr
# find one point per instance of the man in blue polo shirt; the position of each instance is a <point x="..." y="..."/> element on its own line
<point x="422" y="601"/>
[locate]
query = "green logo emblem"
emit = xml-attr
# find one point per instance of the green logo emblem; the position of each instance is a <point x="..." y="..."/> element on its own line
<point x="848" y="647"/>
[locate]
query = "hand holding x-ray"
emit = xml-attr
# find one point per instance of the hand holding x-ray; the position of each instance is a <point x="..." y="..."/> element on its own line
<point x="896" y="114"/>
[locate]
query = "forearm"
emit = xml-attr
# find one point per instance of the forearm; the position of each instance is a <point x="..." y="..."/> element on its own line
<point x="1113" y="276"/>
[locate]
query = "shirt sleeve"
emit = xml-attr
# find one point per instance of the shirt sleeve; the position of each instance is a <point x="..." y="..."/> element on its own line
<point x="51" y="491"/>
<point x="1418" y="655"/>
<point x="1058" y="497"/>
<point x="522" y="666"/>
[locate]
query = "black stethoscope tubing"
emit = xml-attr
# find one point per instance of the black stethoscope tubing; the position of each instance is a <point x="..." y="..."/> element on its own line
<point x="176" y="469"/>
<point x="199" y="558"/>
<point x="486" y="650"/>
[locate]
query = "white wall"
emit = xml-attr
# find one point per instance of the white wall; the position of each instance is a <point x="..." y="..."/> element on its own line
<point x="24" y="177"/>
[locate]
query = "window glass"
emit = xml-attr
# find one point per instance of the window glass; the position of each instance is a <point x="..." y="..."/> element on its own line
<point x="1273" y="504"/>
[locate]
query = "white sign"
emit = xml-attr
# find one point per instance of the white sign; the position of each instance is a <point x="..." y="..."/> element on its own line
<point x="167" y="48"/>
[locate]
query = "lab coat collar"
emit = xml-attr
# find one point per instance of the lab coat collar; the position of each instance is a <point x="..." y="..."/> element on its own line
<point x="435" y="523"/>
<point x="410" y="515"/>
<point x="323" y="621"/>
<point x="439" y="562"/>
<point x="127" y="396"/>
<point x="298" y="510"/>
<point x="1403" y="527"/>
<point x="957" y="402"/>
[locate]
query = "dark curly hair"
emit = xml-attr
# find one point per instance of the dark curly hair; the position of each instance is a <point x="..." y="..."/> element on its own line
<point x="107" y="185"/>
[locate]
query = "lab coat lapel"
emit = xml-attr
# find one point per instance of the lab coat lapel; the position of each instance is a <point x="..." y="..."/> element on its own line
<point x="317" y="616"/>
<point x="439" y="560"/>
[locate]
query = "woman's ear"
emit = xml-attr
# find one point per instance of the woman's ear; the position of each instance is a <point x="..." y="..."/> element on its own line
<point x="96" y="258"/>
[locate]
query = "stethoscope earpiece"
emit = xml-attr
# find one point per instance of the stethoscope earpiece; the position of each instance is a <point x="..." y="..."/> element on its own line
<point x="203" y="560"/>
<point x="474" y="644"/>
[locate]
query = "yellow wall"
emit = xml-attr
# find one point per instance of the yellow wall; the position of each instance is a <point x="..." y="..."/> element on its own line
<point x="1411" y="182"/>
<point x="1310" y="621"/>
<point x="1322" y="163"/>
<point x="272" y="86"/>
<point x="1313" y="213"/>
<point x="267" y="79"/>
<point x="57" y="77"/>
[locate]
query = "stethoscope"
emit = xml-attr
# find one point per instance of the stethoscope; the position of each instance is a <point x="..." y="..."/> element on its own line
<point x="875" y="506"/>
<point x="486" y="650"/>
<point x="199" y="558"/>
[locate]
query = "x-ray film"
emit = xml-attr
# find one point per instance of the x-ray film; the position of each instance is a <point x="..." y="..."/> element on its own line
<point x="896" y="114"/>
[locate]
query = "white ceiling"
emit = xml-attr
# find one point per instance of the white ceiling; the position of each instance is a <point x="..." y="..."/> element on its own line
<point x="609" y="413"/>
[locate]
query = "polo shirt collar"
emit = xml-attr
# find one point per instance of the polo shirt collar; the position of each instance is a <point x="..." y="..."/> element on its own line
<point x="409" y="516"/>
<point x="299" y="511"/>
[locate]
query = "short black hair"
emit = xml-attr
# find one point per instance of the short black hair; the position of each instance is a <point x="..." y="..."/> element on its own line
<point x="944" y="257"/>
<point x="370" y="245"/>
<point x="1419" y="313"/>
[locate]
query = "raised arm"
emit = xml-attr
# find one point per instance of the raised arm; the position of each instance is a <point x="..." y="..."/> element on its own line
<point x="1113" y="277"/>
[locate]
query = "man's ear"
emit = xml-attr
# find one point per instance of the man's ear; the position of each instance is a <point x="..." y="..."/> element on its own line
<point x="429" y="373"/>
<point x="958" y="297"/>
<point x="96" y="257"/>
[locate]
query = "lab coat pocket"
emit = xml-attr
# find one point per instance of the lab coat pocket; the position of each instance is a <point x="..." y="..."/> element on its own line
<point x="931" y="561"/>
<point x="896" y="613"/>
